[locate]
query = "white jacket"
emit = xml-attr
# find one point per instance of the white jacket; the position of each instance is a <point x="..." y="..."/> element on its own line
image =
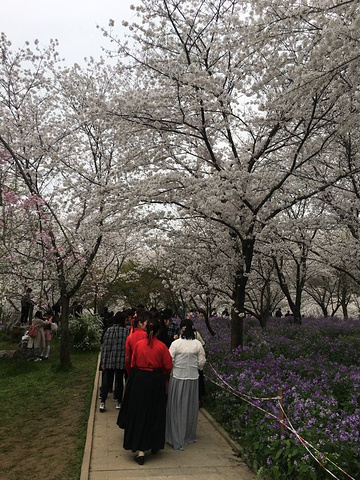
<point x="188" y="358"/>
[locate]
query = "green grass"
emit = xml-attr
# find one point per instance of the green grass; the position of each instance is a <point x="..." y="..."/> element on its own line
<point x="7" y="344"/>
<point x="44" y="413"/>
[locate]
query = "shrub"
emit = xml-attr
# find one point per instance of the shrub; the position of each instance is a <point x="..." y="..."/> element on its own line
<point x="85" y="332"/>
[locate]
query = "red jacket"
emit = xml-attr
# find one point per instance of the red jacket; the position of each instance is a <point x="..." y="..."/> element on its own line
<point x="131" y="341"/>
<point x="151" y="356"/>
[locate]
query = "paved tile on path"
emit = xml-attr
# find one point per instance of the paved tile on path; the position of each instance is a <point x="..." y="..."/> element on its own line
<point x="210" y="458"/>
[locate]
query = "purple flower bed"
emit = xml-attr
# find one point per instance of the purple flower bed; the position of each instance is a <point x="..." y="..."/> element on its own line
<point x="317" y="365"/>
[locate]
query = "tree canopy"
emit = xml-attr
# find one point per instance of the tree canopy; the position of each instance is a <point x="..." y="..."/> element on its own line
<point x="222" y="150"/>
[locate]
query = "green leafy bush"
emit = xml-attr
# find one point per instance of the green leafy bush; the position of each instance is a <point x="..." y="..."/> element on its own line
<point x="85" y="332"/>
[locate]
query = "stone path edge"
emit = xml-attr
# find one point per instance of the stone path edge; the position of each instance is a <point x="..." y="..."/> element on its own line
<point x="233" y="444"/>
<point x="236" y="447"/>
<point x="85" y="467"/>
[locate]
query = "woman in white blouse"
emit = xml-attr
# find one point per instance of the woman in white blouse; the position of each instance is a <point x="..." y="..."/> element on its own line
<point x="183" y="398"/>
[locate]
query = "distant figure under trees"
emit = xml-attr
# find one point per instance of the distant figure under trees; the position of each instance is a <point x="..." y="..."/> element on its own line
<point x="27" y="306"/>
<point x="76" y="309"/>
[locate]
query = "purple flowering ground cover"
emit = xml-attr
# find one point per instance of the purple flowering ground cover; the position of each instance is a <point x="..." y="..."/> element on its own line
<point x="317" y="365"/>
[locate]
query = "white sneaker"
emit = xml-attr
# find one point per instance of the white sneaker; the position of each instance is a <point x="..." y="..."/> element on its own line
<point x="102" y="407"/>
<point x="118" y="405"/>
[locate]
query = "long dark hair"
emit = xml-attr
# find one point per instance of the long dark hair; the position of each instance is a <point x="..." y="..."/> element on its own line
<point x="152" y="329"/>
<point x="188" y="329"/>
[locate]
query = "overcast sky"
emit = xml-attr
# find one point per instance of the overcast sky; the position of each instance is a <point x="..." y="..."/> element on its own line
<point x="72" y="22"/>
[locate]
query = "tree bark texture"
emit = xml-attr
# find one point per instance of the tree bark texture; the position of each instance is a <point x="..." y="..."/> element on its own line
<point x="238" y="297"/>
<point x="65" y="359"/>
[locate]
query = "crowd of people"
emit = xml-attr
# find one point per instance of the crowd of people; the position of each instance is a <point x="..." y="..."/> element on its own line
<point x="40" y="335"/>
<point x="152" y="365"/>
<point x="41" y="327"/>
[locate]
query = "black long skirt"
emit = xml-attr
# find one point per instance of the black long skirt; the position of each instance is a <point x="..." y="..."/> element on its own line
<point x="143" y="411"/>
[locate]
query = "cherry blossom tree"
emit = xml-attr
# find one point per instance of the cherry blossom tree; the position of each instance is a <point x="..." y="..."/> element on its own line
<point x="195" y="262"/>
<point x="324" y="290"/>
<point x="263" y="294"/>
<point x="66" y="160"/>
<point x="241" y="104"/>
<point x="290" y="248"/>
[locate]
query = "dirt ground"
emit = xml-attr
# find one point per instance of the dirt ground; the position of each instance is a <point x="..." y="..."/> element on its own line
<point x="43" y="447"/>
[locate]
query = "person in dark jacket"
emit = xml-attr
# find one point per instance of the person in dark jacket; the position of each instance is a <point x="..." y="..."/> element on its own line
<point x="27" y="306"/>
<point x="112" y="361"/>
<point x="163" y="335"/>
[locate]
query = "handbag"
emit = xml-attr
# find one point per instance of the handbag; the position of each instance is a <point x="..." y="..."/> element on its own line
<point x="33" y="331"/>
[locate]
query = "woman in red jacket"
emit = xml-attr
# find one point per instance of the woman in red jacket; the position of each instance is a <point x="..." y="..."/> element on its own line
<point x="139" y="333"/>
<point x="143" y="411"/>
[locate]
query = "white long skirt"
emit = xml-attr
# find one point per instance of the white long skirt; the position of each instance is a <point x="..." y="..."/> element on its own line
<point x="182" y="412"/>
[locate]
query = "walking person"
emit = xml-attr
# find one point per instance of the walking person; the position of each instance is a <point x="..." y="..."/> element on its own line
<point x="143" y="411"/>
<point x="112" y="360"/>
<point x="173" y="327"/>
<point x="183" y="398"/>
<point x="163" y="334"/>
<point x="137" y="332"/>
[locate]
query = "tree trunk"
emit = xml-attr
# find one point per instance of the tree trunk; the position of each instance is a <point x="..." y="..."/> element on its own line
<point x="265" y="311"/>
<point x="237" y="334"/>
<point x="183" y="306"/>
<point x="208" y="307"/>
<point x="294" y="306"/>
<point x="344" y="298"/>
<point x="300" y="281"/>
<point x="65" y="360"/>
<point x="297" y="314"/>
<point x="208" y="326"/>
<point x="238" y="297"/>
<point x="96" y="300"/>
<point x="323" y="308"/>
<point x="263" y="319"/>
<point x="345" y="310"/>
<point x="207" y="315"/>
<point x="237" y="330"/>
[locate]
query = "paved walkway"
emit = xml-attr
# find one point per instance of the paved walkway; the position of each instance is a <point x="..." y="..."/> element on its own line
<point x="213" y="457"/>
